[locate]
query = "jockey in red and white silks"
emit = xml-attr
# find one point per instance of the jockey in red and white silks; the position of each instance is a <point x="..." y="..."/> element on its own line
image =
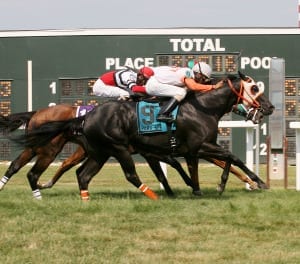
<point x="119" y="83"/>
<point x="175" y="81"/>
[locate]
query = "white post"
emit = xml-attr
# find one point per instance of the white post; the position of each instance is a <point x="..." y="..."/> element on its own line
<point x="257" y="149"/>
<point x="296" y="125"/>
<point x="164" y="169"/>
<point x="299" y="13"/>
<point x="29" y="86"/>
<point x="297" y="159"/>
<point x="249" y="151"/>
<point x="249" y="147"/>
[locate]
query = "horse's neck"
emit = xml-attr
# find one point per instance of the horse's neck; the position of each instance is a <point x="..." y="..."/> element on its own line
<point x="217" y="102"/>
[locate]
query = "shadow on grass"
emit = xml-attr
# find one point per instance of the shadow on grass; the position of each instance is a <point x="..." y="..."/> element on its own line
<point x="181" y="194"/>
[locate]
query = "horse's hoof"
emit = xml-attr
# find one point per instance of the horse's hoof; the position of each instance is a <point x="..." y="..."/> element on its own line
<point x="171" y="195"/>
<point x="220" y="188"/>
<point x="252" y="186"/>
<point x="263" y="186"/>
<point x="47" y="185"/>
<point x="197" y="193"/>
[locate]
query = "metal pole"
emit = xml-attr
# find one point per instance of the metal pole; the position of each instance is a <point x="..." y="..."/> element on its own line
<point x="296" y="125"/>
<point x="249" y="151"/>
<point x="164" y="169"/>
<point x="29" y="85"/>
<point x="257" y="149"/>
<point x="297" y="159"/>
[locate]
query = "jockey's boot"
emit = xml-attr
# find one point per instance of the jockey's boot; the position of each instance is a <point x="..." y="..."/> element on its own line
<point x="164" y="114"/>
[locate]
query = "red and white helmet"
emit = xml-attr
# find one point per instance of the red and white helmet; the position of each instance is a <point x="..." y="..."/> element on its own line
<point x="146" y="72"/>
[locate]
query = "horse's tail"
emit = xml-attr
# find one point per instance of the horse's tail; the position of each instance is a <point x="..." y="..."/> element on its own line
<point x="42" y="135"/>
<point x="14" y="121"/>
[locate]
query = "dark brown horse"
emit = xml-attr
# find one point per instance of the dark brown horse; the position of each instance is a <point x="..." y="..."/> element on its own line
<point x="46" y="154"/>
<point x="110" y="130"/>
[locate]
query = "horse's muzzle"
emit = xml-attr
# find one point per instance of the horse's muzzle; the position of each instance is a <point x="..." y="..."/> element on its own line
<point x="269" y="110"/>
<point x="255" y="115"/>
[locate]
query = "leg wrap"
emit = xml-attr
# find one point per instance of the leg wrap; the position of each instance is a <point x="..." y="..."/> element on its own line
<point x="85" y="196"/>
<point x="37" y="194"/>
<point x="148" y="192"/>
<point x="3" y="181"/>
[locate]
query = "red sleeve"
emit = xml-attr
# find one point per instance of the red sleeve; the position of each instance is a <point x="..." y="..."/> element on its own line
<point x="138" y="89"/>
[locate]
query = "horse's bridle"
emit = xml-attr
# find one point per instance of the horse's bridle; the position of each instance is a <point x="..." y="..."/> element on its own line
<point x="253" y="103"/>
<point x="253" y="111"/>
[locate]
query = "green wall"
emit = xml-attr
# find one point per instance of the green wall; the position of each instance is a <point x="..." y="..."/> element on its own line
<point x="84" y="56"/>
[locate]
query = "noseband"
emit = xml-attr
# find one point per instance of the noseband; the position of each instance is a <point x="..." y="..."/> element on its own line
<point x="253" y="103"/>
<point x="253" y="111"/>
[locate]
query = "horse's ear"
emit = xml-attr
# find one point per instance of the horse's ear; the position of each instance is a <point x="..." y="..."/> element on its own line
<point x="243" y="76"/>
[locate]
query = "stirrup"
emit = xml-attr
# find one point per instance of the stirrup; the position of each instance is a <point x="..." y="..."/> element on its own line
<point x="165" y="118"/>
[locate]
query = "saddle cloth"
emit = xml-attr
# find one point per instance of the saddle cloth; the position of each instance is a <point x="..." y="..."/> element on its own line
<point x="82" y="110"/>
<point x="146" y="118"/>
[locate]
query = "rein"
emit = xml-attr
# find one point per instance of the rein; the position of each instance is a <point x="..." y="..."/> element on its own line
<point x="240" y="96"/>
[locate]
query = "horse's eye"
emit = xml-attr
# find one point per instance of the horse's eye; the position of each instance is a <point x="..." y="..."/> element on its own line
<point x="254" y="89"/>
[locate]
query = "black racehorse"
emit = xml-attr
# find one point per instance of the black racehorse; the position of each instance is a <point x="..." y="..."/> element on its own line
<point x="111" y="129"/>
<point x="48" y="152"/>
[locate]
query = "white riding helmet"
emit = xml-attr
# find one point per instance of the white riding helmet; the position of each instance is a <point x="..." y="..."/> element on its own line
<point x="203" y="68"/>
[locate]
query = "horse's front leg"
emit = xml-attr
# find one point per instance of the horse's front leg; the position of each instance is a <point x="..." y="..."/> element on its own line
<point x="177" y="166"/>
<point x="237" y="162"/>
<point x="241" y="176"/>
<point x="156" y="168"/>
<point x="217" y="152"/>
<point x="224" y="177"/>
<point x="192" y="163"/>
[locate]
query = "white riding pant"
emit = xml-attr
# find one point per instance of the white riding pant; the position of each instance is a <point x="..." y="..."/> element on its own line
<point x="103" y="90"/>
<point x="156" y="88"/>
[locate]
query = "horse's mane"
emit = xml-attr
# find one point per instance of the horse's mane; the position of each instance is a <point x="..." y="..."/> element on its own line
<point x="195" y="94"/>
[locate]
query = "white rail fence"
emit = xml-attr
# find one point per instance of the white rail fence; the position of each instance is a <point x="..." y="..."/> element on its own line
<point x="296" y="125"/>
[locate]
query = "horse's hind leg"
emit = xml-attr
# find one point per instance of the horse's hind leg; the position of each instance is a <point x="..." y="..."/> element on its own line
<point x="41" y="164"/>
<point x="156" y="168"/>
<point x="16" y="165"/>
<point x="86" y="172"/>
<point x="67" y="164"/>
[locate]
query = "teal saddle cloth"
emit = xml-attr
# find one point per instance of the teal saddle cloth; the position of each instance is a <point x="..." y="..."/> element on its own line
<point x="146" y="118"/>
